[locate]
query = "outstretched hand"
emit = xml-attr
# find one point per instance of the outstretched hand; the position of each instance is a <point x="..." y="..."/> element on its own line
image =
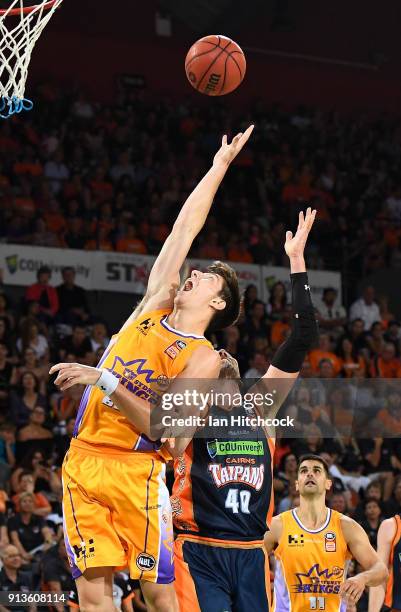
<point x="70" y="374"/>
<point x="295" y="245"/>
<point x="228" y="152"/>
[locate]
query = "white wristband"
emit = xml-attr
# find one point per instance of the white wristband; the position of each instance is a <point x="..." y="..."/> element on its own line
<point x="107" y="382"/>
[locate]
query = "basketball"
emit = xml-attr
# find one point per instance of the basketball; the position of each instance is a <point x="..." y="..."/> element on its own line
<point x="215" y="65"/>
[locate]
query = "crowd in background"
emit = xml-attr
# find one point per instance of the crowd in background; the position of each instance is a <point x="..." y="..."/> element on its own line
<point x="77" y="175"/>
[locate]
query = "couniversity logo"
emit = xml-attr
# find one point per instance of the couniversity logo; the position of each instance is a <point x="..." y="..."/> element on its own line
<point x="17" y="263"/>
<point x="241" y="447"/>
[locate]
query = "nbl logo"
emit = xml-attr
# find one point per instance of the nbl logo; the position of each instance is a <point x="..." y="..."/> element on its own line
<point x="145" y="562"/>
<point x="296" y="540"/>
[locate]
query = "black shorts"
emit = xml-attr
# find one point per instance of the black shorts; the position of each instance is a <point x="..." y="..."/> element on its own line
<point x="215" y="578"/>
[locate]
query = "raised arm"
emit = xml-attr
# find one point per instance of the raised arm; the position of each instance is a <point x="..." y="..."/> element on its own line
<point x="375" y="572"/>
<point x="164" y="277"/>
<point x="287" y="361"/>
<point x="385" y="536"/>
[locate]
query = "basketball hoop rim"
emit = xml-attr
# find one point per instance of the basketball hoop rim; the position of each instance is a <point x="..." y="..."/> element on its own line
<point x="28" y="9"/>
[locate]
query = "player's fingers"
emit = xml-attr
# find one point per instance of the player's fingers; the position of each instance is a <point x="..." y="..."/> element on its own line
<point x="67" y="373"/>
<point x="288" y="236"/>
<point x="224" y="140"/>
<point x="235" y="140"/>
<point x="59" y="366"/>
<point x="300" y="219"/>
<point x="71" y="381"/>
<point x="245" y="136"/>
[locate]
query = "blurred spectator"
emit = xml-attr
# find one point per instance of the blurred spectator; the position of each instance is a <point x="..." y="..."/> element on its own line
<point x="31" y="338"/>
<point x="357" y="336"/>
<point x="339" y="503"/>
<point x="393" y="334"/>
<point x="65" y="406"/>
<point x="72" y="299"/>
<point x="351" y="362"/>
<point x="289" y="501"/>
<point x="12" y="578"/>
<point x="387" y="365"/>
<point x="372" y="520"/>
<point x="98" y="337"/>
<point x="250" y="295"/>
<point x="56" y="171"/>
<point x="277" y="301"/>
<point x="44" y="294"/>
<point x="256" y="323"/>
<point x="77" y="343"/>
<point x="46" y="480"/>
<point x="232" y="344"/>
<point x="331" y="316"/>
<point x="130" y="242"/>
<point x="28" y="532"/>
<point x="375" y="339"/>
<point x="390" y="416"/>
<point x="33" y="434"/>
<point x="26" y="484"/>
<point x="30" y="363"/>
<point x="365" y="308"/>
<point x="56" y="570"/>
<point x="324" y="352"/>
<point x="259" y="365"/>
<point x="286" y="474"/>
<point x="26" y="398"/>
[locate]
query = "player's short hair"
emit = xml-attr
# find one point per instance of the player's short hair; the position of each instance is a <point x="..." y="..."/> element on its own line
<point x="230" y="293"/>
<point x="312" y="457"/>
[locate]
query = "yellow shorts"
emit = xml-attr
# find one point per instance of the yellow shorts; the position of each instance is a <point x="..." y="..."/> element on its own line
<point x="117" y="512"/>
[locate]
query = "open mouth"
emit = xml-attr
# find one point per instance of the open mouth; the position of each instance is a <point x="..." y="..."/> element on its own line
<point x="188" y="285"/>
<point x="310" y="482"/>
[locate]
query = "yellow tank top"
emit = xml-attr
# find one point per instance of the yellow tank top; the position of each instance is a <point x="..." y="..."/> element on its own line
<point x="145" y="357"/>
<point x="310" y="565"/>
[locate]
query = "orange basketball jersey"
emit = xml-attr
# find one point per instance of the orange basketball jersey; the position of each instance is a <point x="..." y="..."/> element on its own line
<point x="393" y="591"/>
<point x="311" y="565"/>
<point x="145" y="357"/>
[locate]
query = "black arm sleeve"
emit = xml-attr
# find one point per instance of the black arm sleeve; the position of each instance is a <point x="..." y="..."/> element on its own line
<point x="290" y="356"/>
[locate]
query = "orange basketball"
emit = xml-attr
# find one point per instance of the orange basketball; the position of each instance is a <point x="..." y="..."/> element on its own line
<point x="215" y="65"/>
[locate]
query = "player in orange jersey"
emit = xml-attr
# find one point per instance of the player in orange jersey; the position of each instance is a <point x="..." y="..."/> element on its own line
<point x="389" y="550"/>
<point x="313" y="544"/>
<point x="116" y="505"/>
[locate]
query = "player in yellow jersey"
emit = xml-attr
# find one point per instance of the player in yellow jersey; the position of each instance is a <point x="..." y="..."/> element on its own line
<point x="313" y="544"/>
<point x="115" y="501"/>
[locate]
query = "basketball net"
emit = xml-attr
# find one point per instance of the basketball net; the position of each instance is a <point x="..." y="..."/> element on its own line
<point x="20" y="28"/>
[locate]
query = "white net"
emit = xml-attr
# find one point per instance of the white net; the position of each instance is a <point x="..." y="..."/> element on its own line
<point x="20" y="28"/>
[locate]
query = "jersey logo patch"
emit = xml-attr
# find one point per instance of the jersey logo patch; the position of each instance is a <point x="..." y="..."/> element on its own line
<point x="173" y="350"/>
<point x="145" y="326"/>
<point x="319" y="581"/>
<point x="145" y="562"/>
<point x="330" y="542"/>
<point x="296" y="540"/>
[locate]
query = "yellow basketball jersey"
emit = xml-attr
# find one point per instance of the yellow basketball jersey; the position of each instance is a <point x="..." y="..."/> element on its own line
<point x="310" y="565"/>
<point x="145" y="357"/>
